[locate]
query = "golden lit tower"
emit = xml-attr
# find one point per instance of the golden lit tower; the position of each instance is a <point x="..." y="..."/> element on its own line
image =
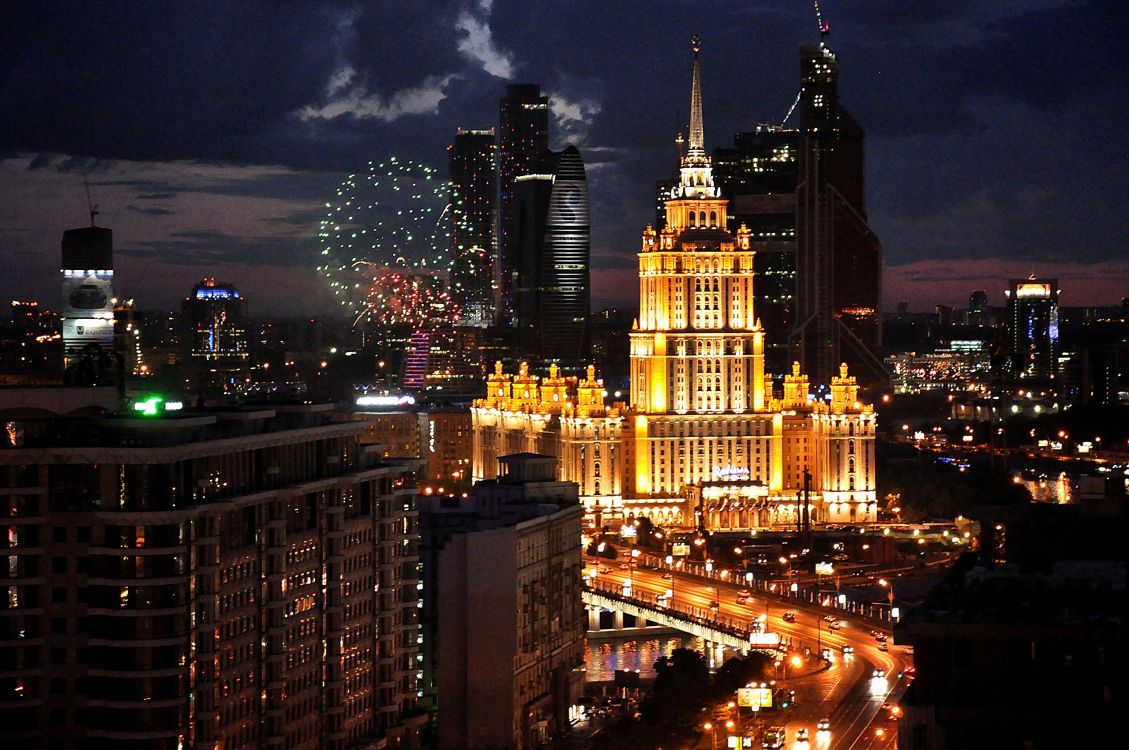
<point x="704" y="441"/>
<point x="697" y="347"/>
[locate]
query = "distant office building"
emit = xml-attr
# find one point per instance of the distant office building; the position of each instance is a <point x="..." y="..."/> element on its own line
<point x="227" y="579"/>
<point x="473" y="185"/>
<point x="979" y="314"/>
<point x="551" y="242"/>
<point x="523" y="135"/>
<point x="502" y="583"/>
<point x="758" y="176"/>
<point x="838" y="257"/>
<point x="1032" y="322"/>
<point x="217" y="337"/>
<point x="440" y="437"/>
<point x="88" y="277"/>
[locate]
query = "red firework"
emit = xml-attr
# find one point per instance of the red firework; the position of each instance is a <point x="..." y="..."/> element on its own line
<point x="407" y="296"/>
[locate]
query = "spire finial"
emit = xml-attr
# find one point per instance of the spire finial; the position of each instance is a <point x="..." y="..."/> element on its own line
<point x="697" y="138"/>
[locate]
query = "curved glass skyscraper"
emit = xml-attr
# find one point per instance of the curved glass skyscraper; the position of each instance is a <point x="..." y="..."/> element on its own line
<point x="552" y="240"/>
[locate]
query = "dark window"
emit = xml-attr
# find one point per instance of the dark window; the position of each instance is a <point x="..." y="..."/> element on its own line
<point x="59" y="594"/>
<point x="58" y="656"/>
<point x="84" y="534"/>
<point x="58" y="565"/>
<point x="58" y="687"/>
<point x="59" y="534"/>
<point x="58" y="625"/>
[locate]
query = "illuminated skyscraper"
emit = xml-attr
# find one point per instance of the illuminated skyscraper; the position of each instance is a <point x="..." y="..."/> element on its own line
<point x="551" y="241"/>
<point x="706" y="439"/>
<point x="217" y="335"/>
<point x="838" y="257"/>
<point x="523" y="134"/>
<point x="473" y="173"/>
<point x="88" y="276"/>
<point x="1032" y="322"/>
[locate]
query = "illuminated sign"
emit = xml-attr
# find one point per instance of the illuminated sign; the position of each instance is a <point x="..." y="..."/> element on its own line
<point x="216" y="293"/>
<point x="1033" y="290"/>
<point x="155" y="405"/>
<point x="730" y="473"/>
<point x="680" y="549"/>
<point x="385" y="401"/>
<point x="755" y="698"/>
<point x="824" y="569"/>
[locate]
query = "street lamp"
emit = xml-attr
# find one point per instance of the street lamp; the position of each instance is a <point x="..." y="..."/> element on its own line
<point x="713" y="734"/>
<point x="889" y="596"/>
<point x="631" y="570"/>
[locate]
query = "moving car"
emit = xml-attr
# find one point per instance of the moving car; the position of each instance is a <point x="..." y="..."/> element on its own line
<point x="824" y="725"/>
<point x="789" y="617"/>
<point x="879" y="673"/>
<point x="668" y="576"/>
<point x="848" y="650"/>
<point x="742" y="599"/>
<point x="802" y="734"/>
<point x="774" y="737"/>
<point x="881" y="637"/>
<point x="834" y="625"/>
<point x="883" y="647"/>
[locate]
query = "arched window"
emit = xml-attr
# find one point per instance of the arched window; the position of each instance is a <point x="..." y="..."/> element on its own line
<point x="713" y="218"/>
<point x="702" y="218"/>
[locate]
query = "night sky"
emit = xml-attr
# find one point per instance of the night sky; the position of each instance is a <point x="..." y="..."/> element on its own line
<point x="213" y="133"/>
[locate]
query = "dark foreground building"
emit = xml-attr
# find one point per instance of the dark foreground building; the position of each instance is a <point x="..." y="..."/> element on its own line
<point x="1026" y="648"/>
<point x="229" y="579"/>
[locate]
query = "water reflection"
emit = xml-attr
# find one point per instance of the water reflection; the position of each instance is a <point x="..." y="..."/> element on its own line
<point x="1048" y="489"/>
<point x="604" y="656"/>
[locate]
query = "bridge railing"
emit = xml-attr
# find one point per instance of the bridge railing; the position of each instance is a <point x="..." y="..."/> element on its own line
<point x="703" y="616"/>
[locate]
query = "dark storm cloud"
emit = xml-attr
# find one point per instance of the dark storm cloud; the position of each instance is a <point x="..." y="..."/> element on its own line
<point x="992" y="127"/>
<point x="209" y="248"/>
<point x="151" y="210"/>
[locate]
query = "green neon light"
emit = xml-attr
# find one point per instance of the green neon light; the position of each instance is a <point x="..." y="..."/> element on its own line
<point x="149" y="407"/>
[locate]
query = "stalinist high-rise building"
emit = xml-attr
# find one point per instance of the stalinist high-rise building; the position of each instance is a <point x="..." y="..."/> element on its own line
<point x="705" y="440"/>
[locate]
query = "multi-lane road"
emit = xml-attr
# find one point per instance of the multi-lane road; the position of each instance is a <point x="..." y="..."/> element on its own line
<point x="846" y="692"/>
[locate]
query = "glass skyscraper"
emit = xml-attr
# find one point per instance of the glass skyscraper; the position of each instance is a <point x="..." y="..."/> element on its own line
<point x="473" y="171"/>
<point x="551" y="239"/>
<point x="523" y="134"/>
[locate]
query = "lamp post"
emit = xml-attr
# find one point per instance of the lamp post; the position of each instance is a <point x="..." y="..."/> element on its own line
<point x="889" y="596"/>
<point x="708" y="726"/>
<point x="631" y="569"/>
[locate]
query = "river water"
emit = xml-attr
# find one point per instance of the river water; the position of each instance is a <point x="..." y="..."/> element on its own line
<point x="603" y="656"/>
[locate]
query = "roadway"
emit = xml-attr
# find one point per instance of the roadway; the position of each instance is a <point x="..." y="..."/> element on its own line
<point x="846" y="692"/>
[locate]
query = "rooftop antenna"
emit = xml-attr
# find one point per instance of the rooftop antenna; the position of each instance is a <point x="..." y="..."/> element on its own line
<point x="89" y="204"/>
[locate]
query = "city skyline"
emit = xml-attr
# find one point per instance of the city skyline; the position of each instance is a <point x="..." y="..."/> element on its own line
<point x="978" y="171"/>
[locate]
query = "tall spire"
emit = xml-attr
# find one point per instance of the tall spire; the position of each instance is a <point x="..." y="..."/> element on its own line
<point x="697" y="138"/>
